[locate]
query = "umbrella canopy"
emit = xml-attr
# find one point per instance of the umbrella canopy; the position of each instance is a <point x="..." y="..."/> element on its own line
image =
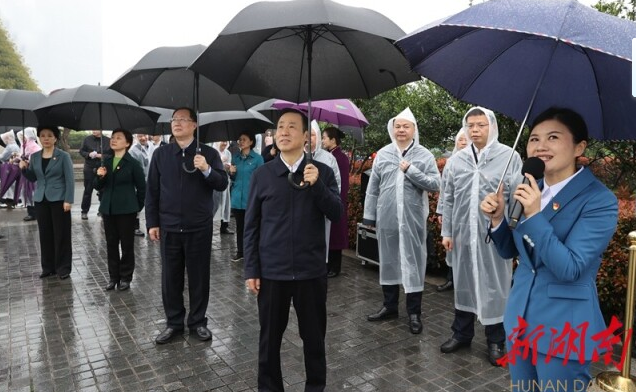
<point x="92" y="107"/>
<point x="16" y="107"/>
<point x="266" y="109"/>
<point x="229" y="125"/>
<point x="520" y="58"/>
<point x="161" y="79"/>
<point x="306" y="49"/>
<point x="162" y="127"/>
<point x="341" y="112"/>
<point x="301" y="50"/>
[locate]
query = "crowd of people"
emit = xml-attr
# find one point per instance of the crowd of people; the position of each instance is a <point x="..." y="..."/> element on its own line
<point x="290" y="237"/>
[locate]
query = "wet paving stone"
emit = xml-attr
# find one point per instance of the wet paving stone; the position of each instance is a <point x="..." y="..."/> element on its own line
<point x="72" y="335"/>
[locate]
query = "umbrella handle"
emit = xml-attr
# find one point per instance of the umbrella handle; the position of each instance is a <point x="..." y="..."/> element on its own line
<point x="194" y="169"/>
<point x="292" y="182"/>
<point x="290" y="178"/>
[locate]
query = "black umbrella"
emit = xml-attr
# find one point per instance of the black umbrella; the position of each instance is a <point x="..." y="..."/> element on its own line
<point x="229" y="125"/>
<point x="16" y="107"/>
<point x="162" y="127"/>
<point x="267" y="110"/>
<point x="306" y="49"/>
<point x="92" y="107"/>
<point x="162" y="79"/>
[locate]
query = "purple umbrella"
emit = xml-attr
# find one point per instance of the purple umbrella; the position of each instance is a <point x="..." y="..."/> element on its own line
<point x="341" y="112"/>
<point x="9" y="174"/>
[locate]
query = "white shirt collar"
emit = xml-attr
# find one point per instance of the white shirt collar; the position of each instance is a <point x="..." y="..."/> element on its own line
<point x="550" y="191"/>
<point x="293" y="167"/>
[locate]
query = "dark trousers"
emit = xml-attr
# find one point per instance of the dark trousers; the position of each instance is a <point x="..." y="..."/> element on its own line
<point x="449" y="274"/>
<point x="334" y="261"/>
<point x="120" y="229"/>
<point x="392" y="296"/>
<point x="190" y="252"/>
<point x="89" y="175"/>
<point x="464" y="328"/>
<point x="54" y="226"/>
<point x="310" y="302"/>
<point x="239" y="215"/>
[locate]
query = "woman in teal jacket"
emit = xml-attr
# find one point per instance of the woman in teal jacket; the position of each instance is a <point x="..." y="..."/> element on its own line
<point x="122" y="182"/>
<point x="243" y="165"/>
<point x="52" y="170"/>
<point x="569" y="219"/>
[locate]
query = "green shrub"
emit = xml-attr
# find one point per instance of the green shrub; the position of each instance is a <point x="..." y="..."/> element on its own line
<point x="611" y="281"/>
<point x="75" y="139"/>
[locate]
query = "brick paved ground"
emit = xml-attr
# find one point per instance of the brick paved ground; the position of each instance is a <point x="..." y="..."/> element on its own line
<point x="72" y="335"/>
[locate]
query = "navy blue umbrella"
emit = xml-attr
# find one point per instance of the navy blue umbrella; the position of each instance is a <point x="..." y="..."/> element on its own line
<point x="520" y="57"/>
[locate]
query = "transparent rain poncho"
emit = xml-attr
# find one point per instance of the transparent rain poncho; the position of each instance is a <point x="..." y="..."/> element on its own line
<point x="440" y="203"/>
<point x="328" y="159"/>
<point x="397" y="203"/>
<point x="481" y="277"/>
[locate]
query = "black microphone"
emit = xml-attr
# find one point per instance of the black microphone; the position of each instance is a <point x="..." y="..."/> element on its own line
<point x="536" y="167"/>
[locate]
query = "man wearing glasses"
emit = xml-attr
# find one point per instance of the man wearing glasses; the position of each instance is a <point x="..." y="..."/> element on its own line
<point x="179" y="213"/>
<point x="482" y="278"/>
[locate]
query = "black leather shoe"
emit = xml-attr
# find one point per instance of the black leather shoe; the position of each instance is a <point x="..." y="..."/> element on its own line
<point x="167" y="335"/>
<point x="415" y="324"/>
<point x="332" y="274"/>
<point x="28" y="218"/>
<point x="228" y="231"/>
<point x="64" y="276"/>
<point x="445" y="287"/>
<point x="452" y="345"/>
<point x="495" y="352"/>
<point x="46" y="274"/>
<point x="111" y="285"/>
<point x="203" y="333"/>
<point x="383" y="314"/>
<point x="124" y="286"/>
<point x="139" y="233"/>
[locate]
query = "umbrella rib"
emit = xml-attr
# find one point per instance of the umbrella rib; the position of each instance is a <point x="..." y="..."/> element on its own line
<point x="366" y="88"/>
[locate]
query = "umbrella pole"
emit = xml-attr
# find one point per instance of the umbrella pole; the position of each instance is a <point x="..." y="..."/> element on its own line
<point x="525" y="118"/>
<point x="101" y="137"/>
<point x="196" y="108"/>
<point x="309" y="44"/>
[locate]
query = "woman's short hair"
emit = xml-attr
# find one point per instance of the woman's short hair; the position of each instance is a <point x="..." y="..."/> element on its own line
<point x="334" y="133"/>
<point x="573" y="121"/>
<point x="251" y="137"/>
<point x="55" y="130"/>
<point x="127" y="134"/>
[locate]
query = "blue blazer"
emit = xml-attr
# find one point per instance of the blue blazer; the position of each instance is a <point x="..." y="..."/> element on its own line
<point x="58" y="182"/>
<point x="559" y="252"/>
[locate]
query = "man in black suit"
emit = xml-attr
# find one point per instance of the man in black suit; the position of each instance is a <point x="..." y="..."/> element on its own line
<point x="179" y="212"/>
<point x="285" y="252"/>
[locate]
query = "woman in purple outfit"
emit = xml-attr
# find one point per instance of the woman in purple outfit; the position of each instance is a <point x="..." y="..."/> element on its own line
<point x="339" y="237"/>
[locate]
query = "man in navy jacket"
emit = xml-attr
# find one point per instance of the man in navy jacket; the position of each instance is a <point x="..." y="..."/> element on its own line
<point x="179" y="212"/>
<point x="285" y="252"/>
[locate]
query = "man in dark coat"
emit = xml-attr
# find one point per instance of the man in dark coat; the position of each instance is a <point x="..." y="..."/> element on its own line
<point x="95" y="149"/>
<point x="179" y="212"/>
<point x="285" y="252"/>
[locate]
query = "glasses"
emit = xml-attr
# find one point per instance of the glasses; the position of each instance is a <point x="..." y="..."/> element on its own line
<point x="480" y="126"/>
<point x="180" y="120"/>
